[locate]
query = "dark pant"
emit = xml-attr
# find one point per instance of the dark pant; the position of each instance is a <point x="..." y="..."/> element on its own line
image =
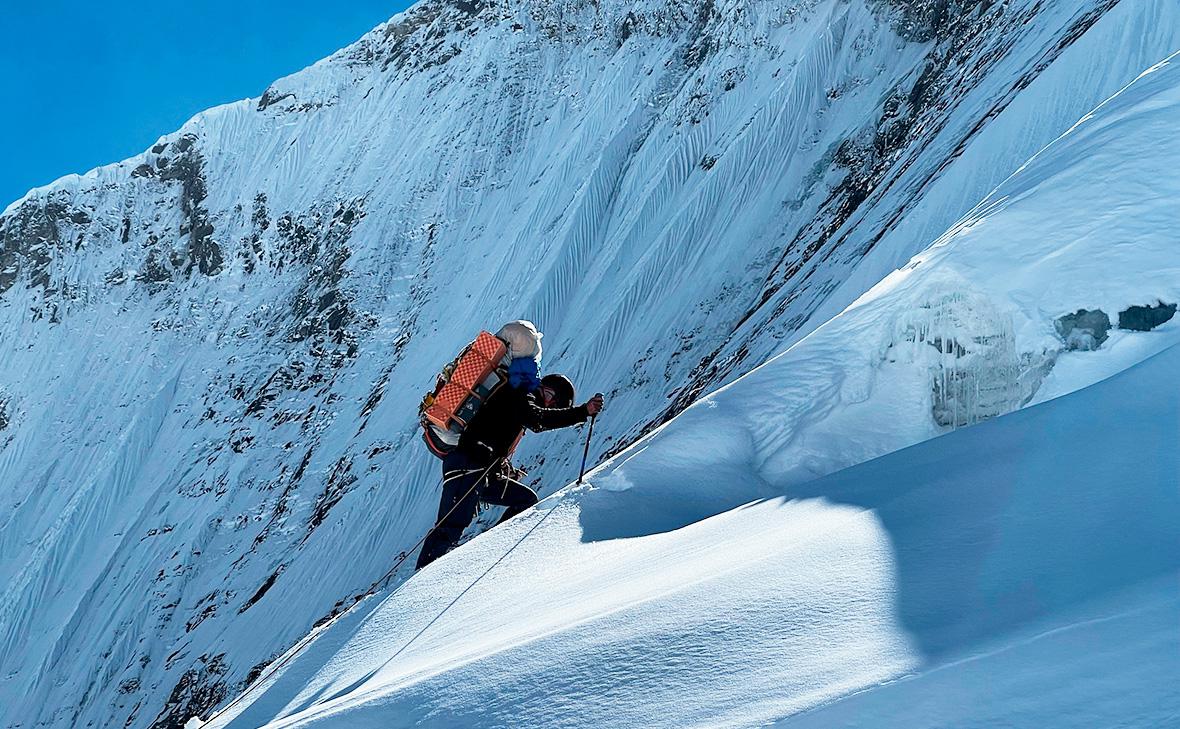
<point x="460" y="501"/>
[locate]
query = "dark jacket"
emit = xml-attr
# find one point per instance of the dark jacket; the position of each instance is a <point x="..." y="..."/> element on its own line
<point x="502" y="419"/>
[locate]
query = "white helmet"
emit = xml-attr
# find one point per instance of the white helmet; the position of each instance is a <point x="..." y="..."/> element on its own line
<point x="523" y="339"/>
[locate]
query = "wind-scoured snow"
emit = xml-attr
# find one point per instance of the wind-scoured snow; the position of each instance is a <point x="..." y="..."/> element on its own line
<point x="1021" y="571"/>
<point x="213" y="352"/>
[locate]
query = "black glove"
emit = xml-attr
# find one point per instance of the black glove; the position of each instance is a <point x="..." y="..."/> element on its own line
<point x="594" y="405"/>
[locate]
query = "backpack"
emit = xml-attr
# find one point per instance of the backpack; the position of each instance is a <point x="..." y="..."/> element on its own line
<point x="461" y="388"/>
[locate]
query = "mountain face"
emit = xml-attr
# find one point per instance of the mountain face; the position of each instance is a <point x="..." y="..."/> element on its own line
<point x="1017" y="573"/>
<point x="214" y="351"/>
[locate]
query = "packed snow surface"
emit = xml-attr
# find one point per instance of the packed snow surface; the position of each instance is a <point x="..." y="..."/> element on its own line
<point x="1020" y="571"/>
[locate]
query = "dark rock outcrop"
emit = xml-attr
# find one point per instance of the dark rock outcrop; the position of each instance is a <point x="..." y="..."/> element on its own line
<point x="1084" y="329"/>
<point x="1146" y="318"/>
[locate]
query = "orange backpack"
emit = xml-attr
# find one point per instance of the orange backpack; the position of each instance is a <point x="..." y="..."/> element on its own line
<point x="462" y="387"/>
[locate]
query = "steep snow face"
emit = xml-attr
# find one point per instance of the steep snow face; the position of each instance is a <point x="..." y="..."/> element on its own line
<point x="1004" y="580"/>
<point x="214" y="351"/>
<point x="976" y="325"/>
<point x="1020" y="571"/>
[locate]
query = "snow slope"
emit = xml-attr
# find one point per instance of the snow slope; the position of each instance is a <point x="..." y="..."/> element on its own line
<point x="1022" y="571"/>
<point x="213" y="352"/>
<point x="1007" y="574"/>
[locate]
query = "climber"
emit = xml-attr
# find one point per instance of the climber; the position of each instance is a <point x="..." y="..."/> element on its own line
<point x="483" y="451"/>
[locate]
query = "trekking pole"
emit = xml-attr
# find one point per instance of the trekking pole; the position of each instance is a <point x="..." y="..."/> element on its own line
<point x="586" y="451"/>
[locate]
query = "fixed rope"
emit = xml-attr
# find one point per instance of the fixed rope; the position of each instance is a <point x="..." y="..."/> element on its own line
<point x="307" y="639"/>
<point x="356" y="600"/>
<point x="467" y="589"/>
<point x="533" y="528"/>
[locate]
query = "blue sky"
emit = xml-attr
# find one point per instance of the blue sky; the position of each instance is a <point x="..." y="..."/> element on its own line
<point x="86" y="84"/>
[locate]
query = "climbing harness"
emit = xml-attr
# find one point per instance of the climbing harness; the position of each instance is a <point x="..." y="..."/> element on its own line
<point x="502" y="557"/>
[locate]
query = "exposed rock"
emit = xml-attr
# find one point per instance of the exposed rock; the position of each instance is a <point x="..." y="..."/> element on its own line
<point x="322" y="308"/>
<point x="252" y="250"/>
<point x="421" y="38"/>
<point x="28" y="239"/>
<point x="256" y="670"/>
<point x="1084" y="329"/>
<point x="270" y="97"/>
<point x="340" y="480"/>
<point x="627" y="28"/>
<point x="1146" y="318"/>
<point x="262" y="590"/>
<point x="197" y="691"/>
<point x="129" y="686"/>
<point x="155" y="271"/>
<point x="188" y="168"/>
<point x="924" y="20"/>
<point x="702" y="44"/>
